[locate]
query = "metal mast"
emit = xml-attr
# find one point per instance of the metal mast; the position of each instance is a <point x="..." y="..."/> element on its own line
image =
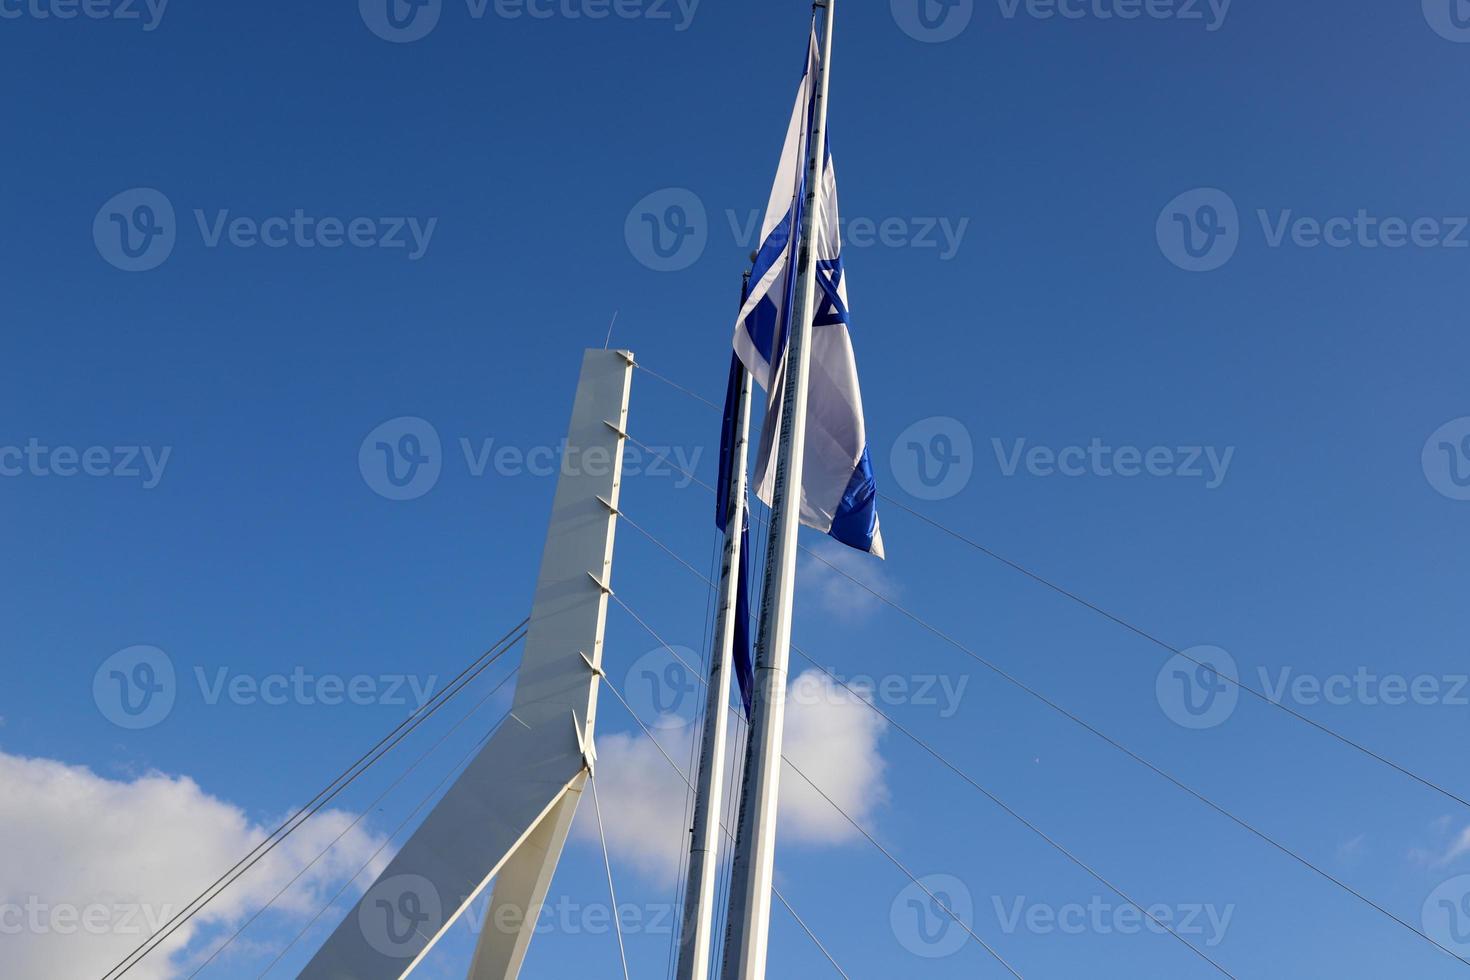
<point x="755" y="846"/>
<point x="699" y="902"/>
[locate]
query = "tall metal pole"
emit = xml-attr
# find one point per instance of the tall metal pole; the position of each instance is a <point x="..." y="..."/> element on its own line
<point x="755" y="845"/>
<point x="704" y="849"/>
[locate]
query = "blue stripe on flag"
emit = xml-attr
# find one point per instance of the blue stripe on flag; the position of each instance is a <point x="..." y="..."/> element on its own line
<point x="856" y="522"/>
<point x="727" y="443"/>
<point x="741" y="655"/>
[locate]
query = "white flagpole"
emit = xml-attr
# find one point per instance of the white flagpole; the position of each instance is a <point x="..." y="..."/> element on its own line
<point x="704" y="849"/>
<point x="755" y="845"/>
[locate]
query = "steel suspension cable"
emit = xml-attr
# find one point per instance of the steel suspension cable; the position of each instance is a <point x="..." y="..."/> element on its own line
<point x="1139" y="631"/>
<point x="458" y="767"/>
<point x="413" y="766"/>
<point x="1016" y="682"/>
<point x="1144" y="910"/>
<point x="333" y="789"/>
<point x="900" y="866"/>
<point x="729" y="835"/>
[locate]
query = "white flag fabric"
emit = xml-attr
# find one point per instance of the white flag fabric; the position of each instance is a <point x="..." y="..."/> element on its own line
<point x="838" y="492"/>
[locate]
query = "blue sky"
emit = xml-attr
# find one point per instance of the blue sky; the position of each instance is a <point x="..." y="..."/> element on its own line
<point x="1231" y="229"/>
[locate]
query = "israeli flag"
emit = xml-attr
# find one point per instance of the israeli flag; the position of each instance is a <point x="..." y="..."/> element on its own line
<point x="838" y="493"/>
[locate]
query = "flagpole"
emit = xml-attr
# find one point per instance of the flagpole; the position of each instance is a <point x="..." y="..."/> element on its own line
<point x="704" y="848"/>
<point x="755" y="846"/>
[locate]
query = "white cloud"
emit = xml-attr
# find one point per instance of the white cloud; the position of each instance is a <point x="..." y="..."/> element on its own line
<point x="93" y="866"/>
<point x="1451" y="846"/>
<point x="1351" y="849"/>
<point x="826" y="576"/>
<point x="1458" y="847"/>
<point x="830" y="736"/>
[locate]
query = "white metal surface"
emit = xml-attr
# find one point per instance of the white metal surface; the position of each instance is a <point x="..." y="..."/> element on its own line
<point x="699" y="901"/>
<point x="755" y="848"/>
<point x="509" y="811"/>
<point x="520" y="891"/>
